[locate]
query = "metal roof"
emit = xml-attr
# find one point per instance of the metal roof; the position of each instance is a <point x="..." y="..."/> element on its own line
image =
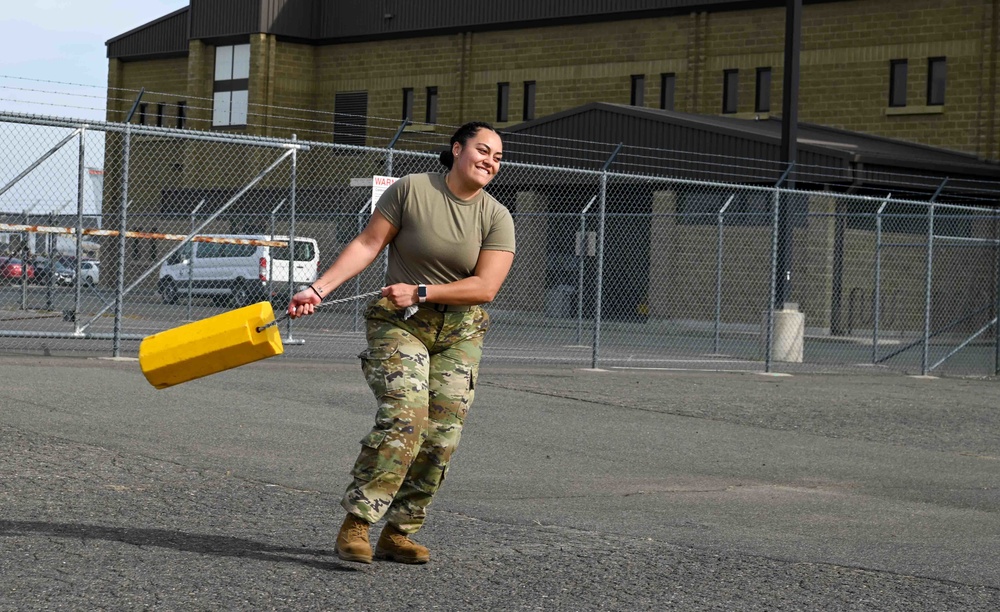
<point x="326" y="21"/>
<point x="161" y="37"/>
<point x="707" y="147"/>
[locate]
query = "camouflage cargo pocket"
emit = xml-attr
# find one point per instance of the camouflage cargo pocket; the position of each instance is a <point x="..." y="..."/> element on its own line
<point x="383" y="368"/>
<point x="373" y="460"/>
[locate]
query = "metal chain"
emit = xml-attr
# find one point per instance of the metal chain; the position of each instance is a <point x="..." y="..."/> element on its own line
<point x="284" y="316"/>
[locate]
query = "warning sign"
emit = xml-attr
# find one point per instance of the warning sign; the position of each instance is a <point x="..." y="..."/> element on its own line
<point x="379" y="185"/>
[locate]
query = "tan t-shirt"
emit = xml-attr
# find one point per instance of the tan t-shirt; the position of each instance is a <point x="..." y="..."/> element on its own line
<point x="440" y="236"/>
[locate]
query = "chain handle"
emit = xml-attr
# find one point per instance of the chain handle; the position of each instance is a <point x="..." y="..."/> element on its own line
<point x="284" y="316"/>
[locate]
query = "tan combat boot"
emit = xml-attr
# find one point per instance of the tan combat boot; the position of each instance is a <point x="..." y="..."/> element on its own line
<point x="352" y="541"/>
<point x="394" y="545"/>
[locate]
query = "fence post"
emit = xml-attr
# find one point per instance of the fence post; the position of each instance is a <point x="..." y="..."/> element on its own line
<point x="877" y="292"/>
<point x="388" y="172"/>
<point x="194" y="222"/>
<point x="581" y="262"/>
<point x="50" y="243"/>
<point x="596" y="349"/>
<point x="81" y="176"/>
<point x="718" y="275"/>
<point x="927" y="291"/>
<point x="392" y="145"/>
<point x="291" y="240"/>
<point x="270" y="267"/>
<point x="996" y="288"/>
<point x="122" y="228"/>
<point x="769" y="331"/>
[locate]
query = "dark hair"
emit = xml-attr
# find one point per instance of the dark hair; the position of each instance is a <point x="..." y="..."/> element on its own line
<point x="462" y="135"/>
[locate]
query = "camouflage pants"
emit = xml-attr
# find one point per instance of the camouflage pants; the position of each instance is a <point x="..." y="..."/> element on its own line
<point x="423" y="372"/>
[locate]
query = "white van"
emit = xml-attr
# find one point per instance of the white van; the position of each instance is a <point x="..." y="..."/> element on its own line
<point x="237" y="274"/>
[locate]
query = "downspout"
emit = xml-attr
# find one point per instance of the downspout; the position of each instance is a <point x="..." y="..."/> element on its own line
<point x="837" y="266"/>
<point x="463" y="63"/>
<point x="992" y="153"/>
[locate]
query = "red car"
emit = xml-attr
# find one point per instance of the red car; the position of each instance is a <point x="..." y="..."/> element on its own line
<point x="12" y="268"/>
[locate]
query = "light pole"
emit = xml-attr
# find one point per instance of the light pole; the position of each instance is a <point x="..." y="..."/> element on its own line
<point x="789" y="148"/>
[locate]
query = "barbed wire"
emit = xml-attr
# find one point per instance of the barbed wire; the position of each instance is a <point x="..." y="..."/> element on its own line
<point x="321" y="125"/>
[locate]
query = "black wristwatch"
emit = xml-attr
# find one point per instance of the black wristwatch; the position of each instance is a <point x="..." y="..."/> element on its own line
<point x="421" y="293"/>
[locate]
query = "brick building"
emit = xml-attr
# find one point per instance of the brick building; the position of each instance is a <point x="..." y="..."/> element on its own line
<point x="917" y="70"/>
<point x="920" y="71"/>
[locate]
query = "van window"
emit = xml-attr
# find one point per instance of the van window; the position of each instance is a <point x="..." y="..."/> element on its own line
<point x="180" y="255"/>
<point x="212" y="250"/>
<point x="303" y="251"/>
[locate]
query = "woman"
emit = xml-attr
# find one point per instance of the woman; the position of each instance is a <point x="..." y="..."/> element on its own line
<point x="451" y="246"/>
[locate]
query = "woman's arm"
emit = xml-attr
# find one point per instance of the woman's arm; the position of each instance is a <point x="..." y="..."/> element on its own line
<point x="356" y="256"/>
<point x="480" y="288"/>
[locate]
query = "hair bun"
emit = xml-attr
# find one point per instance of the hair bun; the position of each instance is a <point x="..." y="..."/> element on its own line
<point x="446" y="158"/>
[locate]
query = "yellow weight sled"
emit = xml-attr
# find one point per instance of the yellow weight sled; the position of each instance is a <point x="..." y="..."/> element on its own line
<point x="218" y="343"/>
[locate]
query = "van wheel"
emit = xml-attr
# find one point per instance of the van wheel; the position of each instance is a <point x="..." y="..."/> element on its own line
<point x="241" y="294"/>
<point x="168" y="290"/>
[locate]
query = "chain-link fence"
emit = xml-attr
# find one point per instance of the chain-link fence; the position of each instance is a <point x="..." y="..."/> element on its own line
<point x="612" y="270"/>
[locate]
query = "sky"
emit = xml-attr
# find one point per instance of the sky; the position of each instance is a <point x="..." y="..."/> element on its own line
<point x="63" y="41"/>
<point x="53" y="61"/>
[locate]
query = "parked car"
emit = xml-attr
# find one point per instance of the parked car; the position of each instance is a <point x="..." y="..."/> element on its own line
<point x="90" y="271"/>
<point x="60" y="272"/>
<point x="12" y="268"/>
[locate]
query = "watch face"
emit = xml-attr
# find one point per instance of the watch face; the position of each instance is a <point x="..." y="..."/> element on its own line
<point x="421" y="291"/>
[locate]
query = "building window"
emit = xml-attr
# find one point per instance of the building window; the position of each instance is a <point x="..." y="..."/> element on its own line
<point x="936" y="74"/>
<point x="181" y="115"/>
<point x="668" y="84"/>
<point x="159" y="114"/>
<point x="431" y="116"/>
<point x="762" y="100"/>
<point x="638" y="90"/>
<point x="730" y="91"/>
<point x="142" y="113"/>
<point x="897" y="82"/>
<point x="350" y="118"/>
<point x="231" y="97"/>
<point x="503" y="102"/>
<point x="408" y="104"/>
<point x="529" y="101"/>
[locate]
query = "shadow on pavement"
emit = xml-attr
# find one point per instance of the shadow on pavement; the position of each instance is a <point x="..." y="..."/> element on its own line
<point x="223" y="546"/>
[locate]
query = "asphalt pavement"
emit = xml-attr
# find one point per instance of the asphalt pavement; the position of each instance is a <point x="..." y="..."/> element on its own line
<point x="572" y="490"/>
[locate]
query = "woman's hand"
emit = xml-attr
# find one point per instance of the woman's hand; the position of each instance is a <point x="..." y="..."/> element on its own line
<point x="401" y="295"/>
<point x="303" y="303"/>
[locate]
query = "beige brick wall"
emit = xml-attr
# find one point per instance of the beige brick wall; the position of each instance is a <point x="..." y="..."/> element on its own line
<point x="846" y="51"/>
<point x="165" y="81"/>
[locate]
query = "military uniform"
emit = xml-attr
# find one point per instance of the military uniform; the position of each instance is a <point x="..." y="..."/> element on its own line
<point x="423" y="372"/>
<point x="422" y="369"/>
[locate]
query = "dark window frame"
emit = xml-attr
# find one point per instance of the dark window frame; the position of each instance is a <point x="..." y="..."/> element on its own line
<point x="638" y="91"/>
<point x="762" y="95"/>
<point x="431" y="110"/>
<point x="936" y="97"/>
<point x="181" y="114"/>
<point x="503" y="102"/>
<point x="668" y="90"/>
<point x="528" y="107"/>
<point x="407" y="104"/>
<point x="730" y="91"/>
<point x="898" y="77"/>
<point x="142" y="113"/>
<point x="160" y="110"/>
